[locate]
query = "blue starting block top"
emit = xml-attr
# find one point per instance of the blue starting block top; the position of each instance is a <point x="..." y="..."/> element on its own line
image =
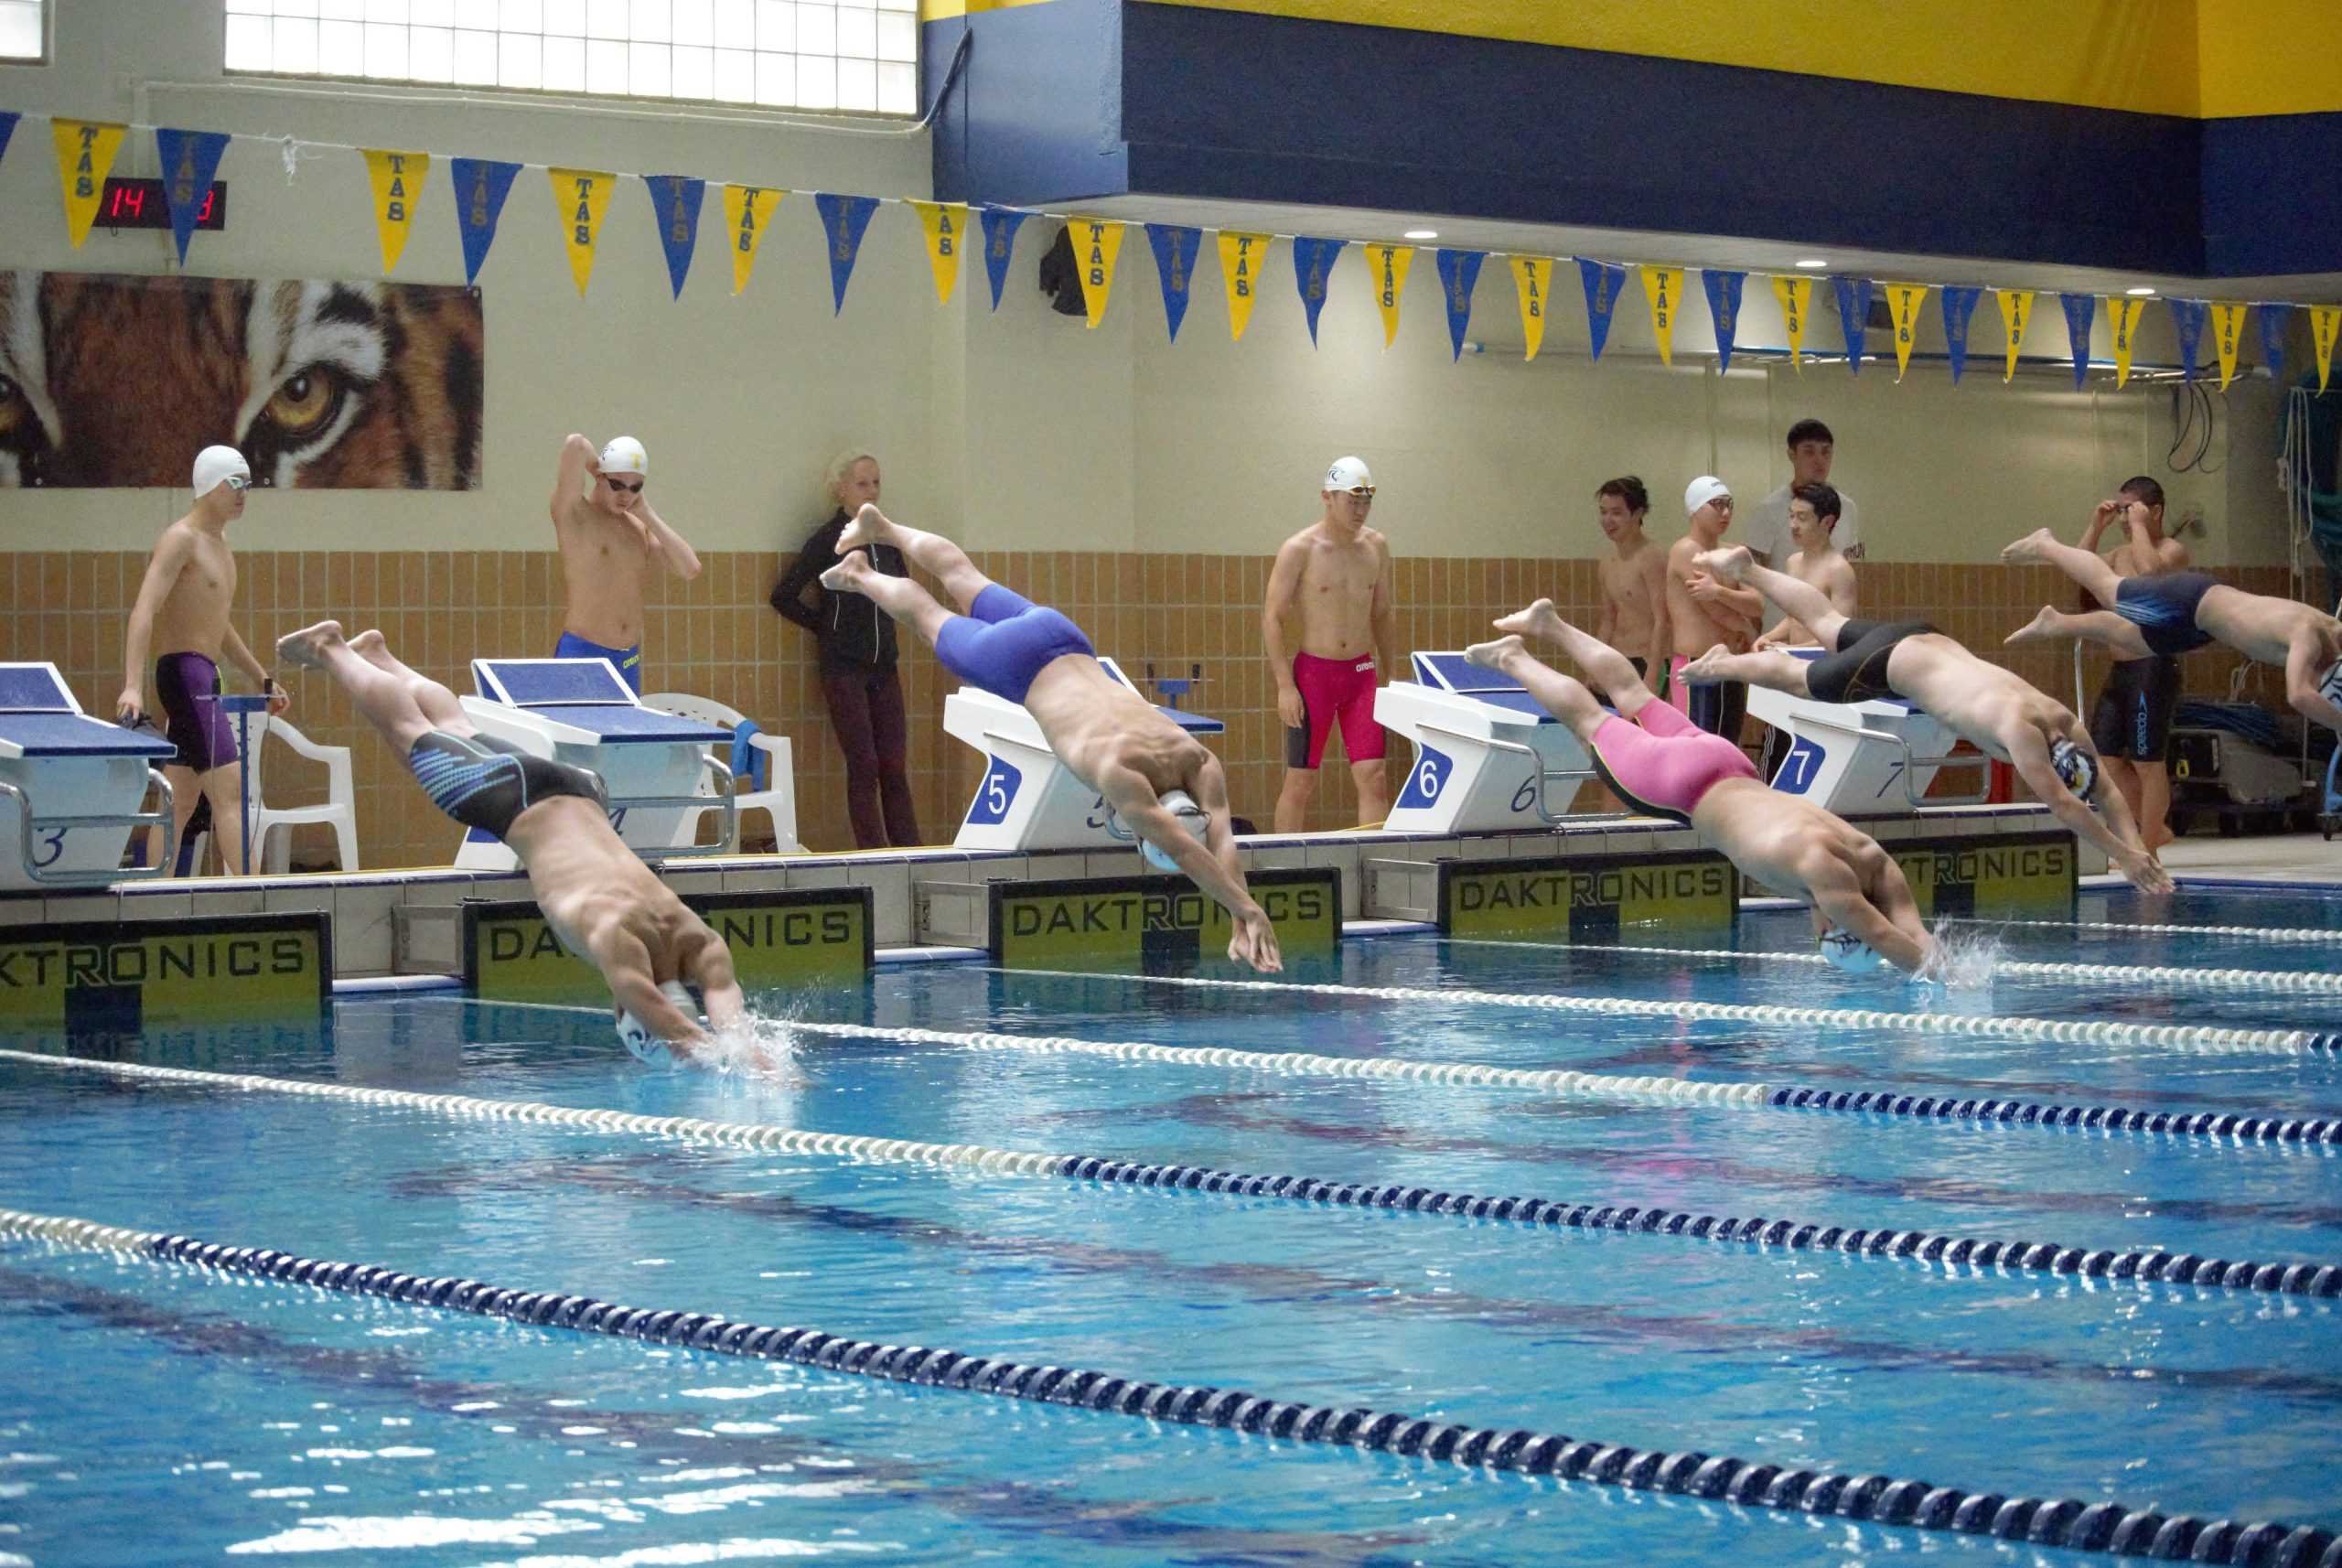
<point x="1194" y="724"/>
<point x="1455" y="673"/>
<point x="38" y="717"/>
<point x="587" y="694"/>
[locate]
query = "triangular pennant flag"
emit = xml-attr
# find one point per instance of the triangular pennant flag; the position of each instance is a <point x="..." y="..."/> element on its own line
<point x="1000" y="225"/>
<point x="1241" y="258"/>
<point x="2322" y="321"/>
<point x="397" y="182"/>
<point x="2081" y="310"/>
<point x="1903" y="303"/>
<point x="1097" y="242"/>
<point x="747" y="214"/>
<point x="1853" y="318"/>
<point x="1386" y="269"/>
<point x="2017" y="310"/>
<point x="2122" y="315"/>
<point x="675" y="201"/>
<point x="1313" y="264"/>
<point x="1174" y="267"/>
<point x="85" y="150"/>
<point x="843" y="219"/>
<point x="943" y="224"/>
<point x="190" y="160"/>
<point x="1459" y="274"/>
<point x="481" y="187"/>
<point x="1724" y="306"/>
<point x="2273" y="338"/>
<point x="1532" y="279"/>
<point x="2187" y="317"/>
<point x="1603" y="282"/>
<point x="1663" y="286"/>
<point x="8" y="118"/>
<point x="2227" y="339"/>
<point x="1795" y="295"/>
<point x="580" y="198"/>
<point x="1959" y="305"/>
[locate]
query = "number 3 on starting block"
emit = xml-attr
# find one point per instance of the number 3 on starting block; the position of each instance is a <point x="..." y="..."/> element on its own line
<point x="995" y="795"/>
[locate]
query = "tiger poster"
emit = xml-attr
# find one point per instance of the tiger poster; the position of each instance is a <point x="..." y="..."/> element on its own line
<point x="114" y="382"/>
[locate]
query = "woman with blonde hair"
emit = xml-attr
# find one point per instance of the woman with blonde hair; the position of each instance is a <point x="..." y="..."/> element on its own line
<point x="857" y="663"/>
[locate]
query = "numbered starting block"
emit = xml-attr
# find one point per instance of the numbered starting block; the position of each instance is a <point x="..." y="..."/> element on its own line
<point x="1858" y="758"/>
<point x="579" y="712"/>
<point x="1485" y="754"/>
<point x="1028" y="798"/>
<point x="71" y="785"/>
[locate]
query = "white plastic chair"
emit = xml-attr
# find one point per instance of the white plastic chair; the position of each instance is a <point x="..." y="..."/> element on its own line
<point x="338" y="812"/>
<point x="779" y="801"/>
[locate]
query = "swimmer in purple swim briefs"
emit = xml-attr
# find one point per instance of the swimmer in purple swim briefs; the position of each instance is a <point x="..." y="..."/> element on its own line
<point x="1657" y="760"/>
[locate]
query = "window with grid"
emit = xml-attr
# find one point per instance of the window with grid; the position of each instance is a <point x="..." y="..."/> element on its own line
<point x="852" y="55"/>
<point x="21" y="30"/>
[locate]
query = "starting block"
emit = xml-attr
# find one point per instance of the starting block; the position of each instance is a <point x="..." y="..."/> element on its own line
<point x="1485" y="751"/>
<point x="1858" y="758"/>
<point x="1028" y="798"/>
<point x="579" y="712"/>
<point x="71" y="785"/>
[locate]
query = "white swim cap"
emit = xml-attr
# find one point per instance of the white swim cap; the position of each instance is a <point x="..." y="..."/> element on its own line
<point x="645" y="1043"/>
<point x="1702" y="490"/>
<point x="214" y="465"/>
<point x="625" y="455"/>
<point x="1849" y="952"/>
<point x="1192" y="817"/>
<point x="2077" y="768"/>
<point x="1348" y="473"/>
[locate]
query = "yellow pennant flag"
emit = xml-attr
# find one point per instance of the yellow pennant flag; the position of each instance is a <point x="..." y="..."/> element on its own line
<point x="1386" y="269"/>
<point x="1096" y="242"/>
<point x="2323" y="320"/>
<point x="1533" y="276"/>
<point x="2017" y="310"/>
<point x="582" y="196"/>
<point x="1903" y="302"/>
<point x="397" y="179"/>
<point x="1242" y="256"/>
<point x="1795" y="294"/>
<point x="2122" y="315"/>
<point x="945" y="223"/>
<point x="747" y="213"/>
<point x="2227" y="335"/>
<point x="85" y="150"/>
<point x="1664" y="288"/>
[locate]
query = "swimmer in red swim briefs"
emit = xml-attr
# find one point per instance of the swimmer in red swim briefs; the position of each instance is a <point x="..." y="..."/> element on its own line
<point x="1659" y="762"/>
<point x="1331" y="591"/>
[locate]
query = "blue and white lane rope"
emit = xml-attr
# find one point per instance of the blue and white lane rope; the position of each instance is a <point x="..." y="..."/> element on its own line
<point x="2314" y="936"/>
<point x="2094" y="1032"/>
<point x="2071" y="1523"/>
<point x="2031" y="1257"/>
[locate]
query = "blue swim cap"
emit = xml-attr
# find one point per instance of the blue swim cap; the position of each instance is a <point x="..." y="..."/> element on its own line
<point x="1848" y="951"/>
<point x="642" y="1042"/>
<point x="1192" y="817"/>
<point x="2077" y="767"/>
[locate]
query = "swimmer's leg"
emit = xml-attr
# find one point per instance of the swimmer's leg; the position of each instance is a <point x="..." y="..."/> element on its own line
<point x="2102" y="627"/>
<point x="900" y="598"/>
<point x="1803" y="601"/>
<point x="2086" y="567"/>
<point x="1605" y="667"/>
<point x="1780" y="671"/>
<point x="1566" y="699"/>
<point x="930" y="552"/>
<point x="399" y="703"/>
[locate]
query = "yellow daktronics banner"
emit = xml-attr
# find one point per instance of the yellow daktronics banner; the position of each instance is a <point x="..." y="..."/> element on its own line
<point x="1154" y="921"/>
<point x="1664" y="288"/>
<point x="1585" y="898"/>
<point x="1994" y="878"/>
<point x="803" y="937"/>
<point x="121" y="977"/>
<point x="1795" y="295"/>
<point x="583" y="195"/>
<point x="397" y="181"/>
<point x="1386" y="269"/>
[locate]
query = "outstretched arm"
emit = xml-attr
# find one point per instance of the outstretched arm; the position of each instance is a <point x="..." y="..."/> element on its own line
<point x="1213" y="865"/>
<point x="2303" y="673"/>
<point x="2029" y="754"/>
<point x="1839" y="895"/>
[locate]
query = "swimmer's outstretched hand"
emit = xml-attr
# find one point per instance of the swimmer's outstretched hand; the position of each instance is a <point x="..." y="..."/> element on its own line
<point x="1254" y="942"/>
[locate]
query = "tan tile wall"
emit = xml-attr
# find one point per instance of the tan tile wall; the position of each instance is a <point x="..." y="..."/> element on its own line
<point x="719" y="637"/>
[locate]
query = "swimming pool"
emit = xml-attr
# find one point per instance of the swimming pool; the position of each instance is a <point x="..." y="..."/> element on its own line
<point x="153" y="1410"/>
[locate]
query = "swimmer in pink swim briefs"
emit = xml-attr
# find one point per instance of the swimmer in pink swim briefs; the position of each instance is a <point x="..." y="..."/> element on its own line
<point x="1660" y="763"/>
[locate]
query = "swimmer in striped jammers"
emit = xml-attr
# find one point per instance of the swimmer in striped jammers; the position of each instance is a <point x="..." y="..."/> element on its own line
<point x="1659" y="762"/>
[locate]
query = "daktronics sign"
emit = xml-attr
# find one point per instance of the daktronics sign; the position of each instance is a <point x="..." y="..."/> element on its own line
<point x="802" y="936"/>
<point x="1134" y="920"/>
<point x="122" y="977"/>
<point x="1587" y="899"/>
<point x="1992" y="877"/>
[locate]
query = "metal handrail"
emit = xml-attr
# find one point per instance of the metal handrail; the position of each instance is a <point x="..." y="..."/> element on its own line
<point x="727" y="838"/>
<point x="1551" y="818"/>
<point x="1981" y="759"/>
<point x="28" y="825"/>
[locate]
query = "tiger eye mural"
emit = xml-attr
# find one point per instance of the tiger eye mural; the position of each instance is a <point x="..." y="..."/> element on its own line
<point x="118" y="381"/>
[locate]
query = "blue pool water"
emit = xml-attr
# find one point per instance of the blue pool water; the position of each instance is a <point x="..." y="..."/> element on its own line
<point x="158" y="1412"/>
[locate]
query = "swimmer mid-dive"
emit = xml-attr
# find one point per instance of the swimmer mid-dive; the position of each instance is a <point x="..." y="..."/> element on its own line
<point x="598" y="896"/>
<point x="1991" y="708"/>
<point x="1657" y="761"/>
<point x="1161" y="781"/>
<point x="2177" y="612"/>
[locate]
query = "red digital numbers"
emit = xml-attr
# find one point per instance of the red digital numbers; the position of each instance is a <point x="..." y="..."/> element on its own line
<point x="129" y="201"/>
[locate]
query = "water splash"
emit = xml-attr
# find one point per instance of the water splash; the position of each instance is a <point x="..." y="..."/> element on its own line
<point x="1963" y="961"/>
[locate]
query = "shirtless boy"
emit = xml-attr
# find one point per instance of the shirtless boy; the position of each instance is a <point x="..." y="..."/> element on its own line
<point x="609" y="535"/>
<point x="1158" y="780"/>
<point x="1702" y="612"/>
<point x="2131" y="719"/>
<point x="181" y="617"/>
<point x="1634" y="578"/>
<point x="1334" y="578"/>
<point x="1817" y="562"/>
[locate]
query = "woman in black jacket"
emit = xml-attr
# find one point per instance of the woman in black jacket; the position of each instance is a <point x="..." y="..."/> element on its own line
<point x="858" y="679"/>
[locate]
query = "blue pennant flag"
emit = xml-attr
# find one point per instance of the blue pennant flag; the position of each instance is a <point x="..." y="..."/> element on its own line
<point x="2187" y="320"/>
<point x="1603" y="282"/>
<point x="1459" y="271"/>
<point x="481" y="185"/>
<point x="1175" y="264"/>
<point x="2273" y="340"/>
<point x="2081" y="311"/>
<point x="1000" y="237"/>
<point x="675" y="200"/>
<point x="190" y="160"/>
<point x="1313" y="264"/>
<point x="1853" y="318"/>
<point x="1959" y="304"/>
<point x="1724" y="304"/>
<point x="844" y="218"/>
<point x="8" y="118"/>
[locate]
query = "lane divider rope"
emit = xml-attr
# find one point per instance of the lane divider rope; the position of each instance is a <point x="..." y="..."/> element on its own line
<point x="2315" y="935"/>
<point x="2106" y="1527"/>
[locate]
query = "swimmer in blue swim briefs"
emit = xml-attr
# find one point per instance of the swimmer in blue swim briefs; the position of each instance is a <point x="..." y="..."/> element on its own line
<point x="1112" y="740"/>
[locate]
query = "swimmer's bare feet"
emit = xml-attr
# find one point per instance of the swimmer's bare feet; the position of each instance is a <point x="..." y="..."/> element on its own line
<point x="846" y="576"/>
<point x="368" y="643"/>
<point x="870" y="526"/>
<point x="1539" y="620"/>
<point x="1731" y="563"/>
<point x="2044" y="627"/>
<point x="307" y="647"/>
<point x="1715" y="664"/>
<point x="2028" y="551"/>
<point x="1494" y="655"/>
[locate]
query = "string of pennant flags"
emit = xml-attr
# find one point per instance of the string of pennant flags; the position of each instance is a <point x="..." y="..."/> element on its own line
<point x="86" y="151"/>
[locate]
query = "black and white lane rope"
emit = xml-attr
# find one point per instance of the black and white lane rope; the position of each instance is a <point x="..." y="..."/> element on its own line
<point x="2071" y="1523"/>
<point x="1981" y="1253"/>
<point x="2291" y="936"/>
